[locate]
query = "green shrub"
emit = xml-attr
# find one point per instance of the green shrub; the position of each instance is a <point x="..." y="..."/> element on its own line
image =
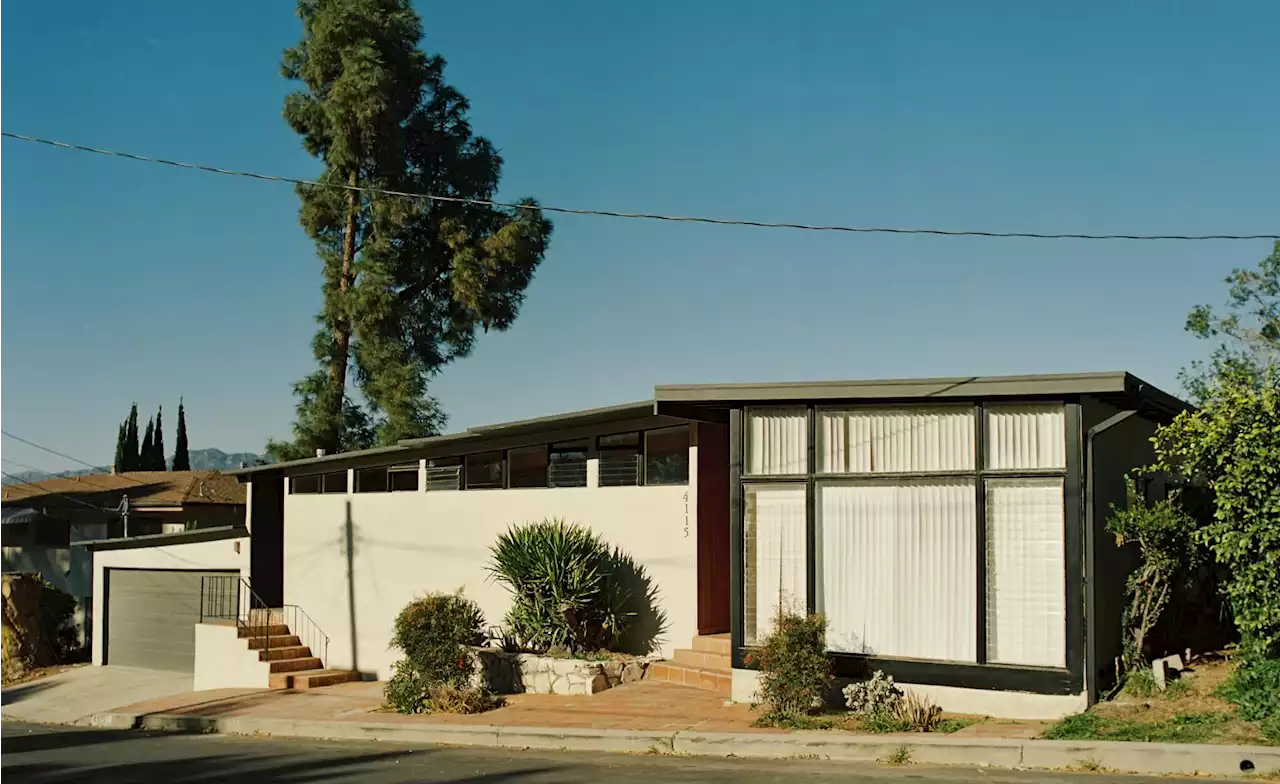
<point x="436" y="634"/>
<point x="1255" y="689"/>
<point x="573" y="592"/>
<point x="794" y="669"/>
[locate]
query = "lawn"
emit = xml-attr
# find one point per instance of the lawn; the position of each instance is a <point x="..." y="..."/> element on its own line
<point x="1189" y="711"/>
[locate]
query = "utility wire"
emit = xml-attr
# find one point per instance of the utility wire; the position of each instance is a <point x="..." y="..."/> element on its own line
<point x="43" y="490"/>
<point x="69" y="457"/>
<point x="635" y="215"/>
<point x="79" y="478"/>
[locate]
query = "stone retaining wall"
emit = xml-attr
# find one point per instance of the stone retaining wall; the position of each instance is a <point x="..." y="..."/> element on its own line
<point x="529" y="673"/>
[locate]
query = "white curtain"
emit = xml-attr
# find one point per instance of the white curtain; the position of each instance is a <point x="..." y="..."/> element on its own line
<point x="777" y="442"/>
<point x="898" y="567"/>
<point x="775" y="548"/>
<point x="890" y="440"/>
<point x="1026" y="436"/>
<point x="1026" y="592"/>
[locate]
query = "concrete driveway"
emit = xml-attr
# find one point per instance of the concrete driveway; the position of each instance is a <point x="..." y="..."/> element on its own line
<point x="73" y="696"/>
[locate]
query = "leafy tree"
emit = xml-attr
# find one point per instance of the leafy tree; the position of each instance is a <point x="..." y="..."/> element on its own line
<point x="158" y="463"/>
<point x="1165" y="536"/>
<point x="1231" y="445"/>
<point x="1249" y="331"/>
<point x="407" y="282"/>
<point x="181" y="458"/>
<point x="148" y="444"/>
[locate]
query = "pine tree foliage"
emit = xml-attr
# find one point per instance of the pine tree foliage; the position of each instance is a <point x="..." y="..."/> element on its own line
<point x="407" y="284"/>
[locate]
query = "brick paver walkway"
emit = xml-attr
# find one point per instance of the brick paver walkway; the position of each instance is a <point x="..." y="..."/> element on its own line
<point x="646" y="705"/>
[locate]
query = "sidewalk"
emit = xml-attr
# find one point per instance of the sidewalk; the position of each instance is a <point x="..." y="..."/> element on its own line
<point x="651" y="717"/>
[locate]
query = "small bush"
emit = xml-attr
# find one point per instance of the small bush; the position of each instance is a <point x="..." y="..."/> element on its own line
<point x="436" y="634"/>
<point x="794" y="669"/>
<point x="1255" y="689"/>
<point x="875" y="697"/>
<point x="918" y="713"/>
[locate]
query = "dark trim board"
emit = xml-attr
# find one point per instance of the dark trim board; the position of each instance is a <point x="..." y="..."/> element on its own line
<point x="990" y="677"/>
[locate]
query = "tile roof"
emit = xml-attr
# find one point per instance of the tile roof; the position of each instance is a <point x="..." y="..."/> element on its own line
<point x="144" y="488"/>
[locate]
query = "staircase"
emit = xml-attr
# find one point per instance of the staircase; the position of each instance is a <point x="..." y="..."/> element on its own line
<point x="707" y="665"/>
<point x="292" y="664"/>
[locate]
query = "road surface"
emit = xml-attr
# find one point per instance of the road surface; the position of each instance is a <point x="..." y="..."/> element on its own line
<point x="33" y="753"/>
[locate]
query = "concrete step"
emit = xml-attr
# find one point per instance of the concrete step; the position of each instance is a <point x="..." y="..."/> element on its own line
<point x="707" y="661"/>
<point x="275" y="630"/>
<point x="283" y="653"/>
<point x="258" y="643"/>
<point x="296" y="664"/>
<point x="684" y="675"/>
<point x="310" y="679"/>
<point x="713" y="643"/>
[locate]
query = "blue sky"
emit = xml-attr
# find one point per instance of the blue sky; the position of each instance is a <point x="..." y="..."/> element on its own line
<point x="126" y="282"/>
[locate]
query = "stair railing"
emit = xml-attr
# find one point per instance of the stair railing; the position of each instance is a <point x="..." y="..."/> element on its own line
<point x="229" y="597"/>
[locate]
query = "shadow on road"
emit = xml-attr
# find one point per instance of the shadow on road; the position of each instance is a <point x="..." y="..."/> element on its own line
<point x="21" y="692"/>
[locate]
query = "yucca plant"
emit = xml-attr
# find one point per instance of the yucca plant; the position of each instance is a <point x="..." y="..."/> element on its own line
<point x="564" y="591"/>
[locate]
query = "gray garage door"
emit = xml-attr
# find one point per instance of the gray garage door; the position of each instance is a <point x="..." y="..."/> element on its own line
<point x="151" y="618"/>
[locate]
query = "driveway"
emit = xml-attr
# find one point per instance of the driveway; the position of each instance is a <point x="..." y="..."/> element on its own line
<point x="73" y="696"/>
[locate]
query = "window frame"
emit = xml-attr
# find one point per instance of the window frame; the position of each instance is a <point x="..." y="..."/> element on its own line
<point x="980" y="673"/>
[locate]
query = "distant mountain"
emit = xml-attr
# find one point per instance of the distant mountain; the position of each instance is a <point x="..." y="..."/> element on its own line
<point x="201" y="460"/>
<point x="217" y="460"/>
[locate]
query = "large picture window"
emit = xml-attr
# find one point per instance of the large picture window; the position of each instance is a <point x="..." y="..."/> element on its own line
<point x="908" y="526"/>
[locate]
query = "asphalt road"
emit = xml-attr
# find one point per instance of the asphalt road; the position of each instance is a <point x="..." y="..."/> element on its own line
<point x="34" y="753"/>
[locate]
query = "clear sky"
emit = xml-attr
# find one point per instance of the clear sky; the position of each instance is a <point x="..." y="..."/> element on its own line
<point x="128" y="282"/>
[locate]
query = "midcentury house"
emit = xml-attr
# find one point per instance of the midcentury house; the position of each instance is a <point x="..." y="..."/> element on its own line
<point x="45" y="524"/>
<point x="951" y="530"/>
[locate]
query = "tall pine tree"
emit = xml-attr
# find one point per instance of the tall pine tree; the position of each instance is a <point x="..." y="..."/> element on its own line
<point x="158" y="462"/>
<point x="148" y="441"/>
<point x="407" y="283"/>
<point x="181" y="459"/>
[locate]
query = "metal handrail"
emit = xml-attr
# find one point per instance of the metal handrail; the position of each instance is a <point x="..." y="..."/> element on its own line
<point x="232" y="598"/>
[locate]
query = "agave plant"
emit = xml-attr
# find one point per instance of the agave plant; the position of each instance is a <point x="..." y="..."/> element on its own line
<point x="564" y="591"/>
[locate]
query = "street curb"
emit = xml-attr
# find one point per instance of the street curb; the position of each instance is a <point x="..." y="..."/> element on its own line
<point x="1124" y="757"/>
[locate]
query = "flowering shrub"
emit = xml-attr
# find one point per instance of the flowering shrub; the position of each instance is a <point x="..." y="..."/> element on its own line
<point x="436" y="633"/>
<point x="878" y="697"/>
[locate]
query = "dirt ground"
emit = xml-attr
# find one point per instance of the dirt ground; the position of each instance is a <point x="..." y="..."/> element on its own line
<point x="40" y="672"/>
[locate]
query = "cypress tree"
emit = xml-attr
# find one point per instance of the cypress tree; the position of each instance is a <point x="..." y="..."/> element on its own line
<point x="181" y="460"/>
<point x="158" y="462"/>
<point x="132" y="459"/>
<point x="118" y="464"/>
<point x="148" y="441"/>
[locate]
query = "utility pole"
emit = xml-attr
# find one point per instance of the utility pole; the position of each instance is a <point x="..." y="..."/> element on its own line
<point x="123" y="509"/>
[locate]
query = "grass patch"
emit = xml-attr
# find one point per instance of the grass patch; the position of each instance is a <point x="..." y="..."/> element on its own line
<point x="1182" y="728"/>
<point x="900" y="756"/>
<point x="849" y="722"/>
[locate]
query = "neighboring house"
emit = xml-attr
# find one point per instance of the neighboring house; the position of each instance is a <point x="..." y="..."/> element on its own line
<point x="950" y="530"/>
<point x="46" y="523"/>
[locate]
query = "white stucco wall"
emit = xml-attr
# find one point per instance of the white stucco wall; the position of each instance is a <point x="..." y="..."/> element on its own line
<point x="198" y="556"/>
<point x="224" y="661"/>
<point x="412" y="543"/>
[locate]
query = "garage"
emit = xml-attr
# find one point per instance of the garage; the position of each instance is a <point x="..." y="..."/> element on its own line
<point x="151" y="616"/>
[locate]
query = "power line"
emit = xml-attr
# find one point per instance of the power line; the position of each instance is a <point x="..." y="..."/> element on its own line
<point x="43" y="490"/>
<point x="50" y="451"/>
<point x="635" y="215"/>
<point x="81" y="478"/>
